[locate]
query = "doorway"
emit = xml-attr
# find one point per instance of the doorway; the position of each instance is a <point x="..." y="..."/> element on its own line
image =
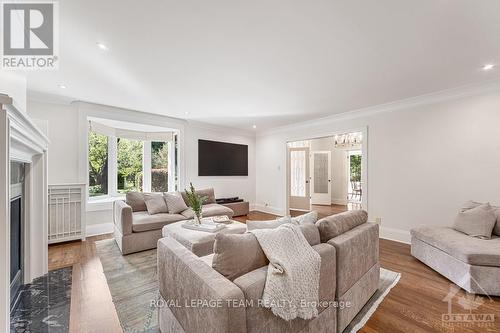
<point x="326" y="174"/>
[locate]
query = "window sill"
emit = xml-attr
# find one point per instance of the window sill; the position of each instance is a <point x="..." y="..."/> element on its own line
<point x="104" y="203"/>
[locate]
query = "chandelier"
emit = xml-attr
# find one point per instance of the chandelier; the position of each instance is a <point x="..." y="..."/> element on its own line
<point x="348" y="140"/>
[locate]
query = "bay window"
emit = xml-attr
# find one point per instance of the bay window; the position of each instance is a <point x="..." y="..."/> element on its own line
<point x="122" y="160"/>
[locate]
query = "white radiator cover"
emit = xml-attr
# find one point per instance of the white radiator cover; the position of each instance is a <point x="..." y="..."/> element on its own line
<point x="66" y="212"/>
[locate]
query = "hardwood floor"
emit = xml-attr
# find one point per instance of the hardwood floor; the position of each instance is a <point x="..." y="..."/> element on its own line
<point x="415" y="304"/>
<point x="92" y="309"/>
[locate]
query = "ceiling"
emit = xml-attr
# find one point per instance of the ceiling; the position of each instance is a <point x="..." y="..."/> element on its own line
<point x="269" y="63"/>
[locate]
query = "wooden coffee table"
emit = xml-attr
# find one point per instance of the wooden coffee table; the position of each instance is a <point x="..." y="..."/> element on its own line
<point x="200" y="243"/>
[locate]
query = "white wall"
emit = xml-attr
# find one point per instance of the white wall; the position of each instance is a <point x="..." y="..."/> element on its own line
<point x="62" y="129"/>
<point x="423" y="160"/>
<point x="14" y="85"/>
<point x="65" y="162"/>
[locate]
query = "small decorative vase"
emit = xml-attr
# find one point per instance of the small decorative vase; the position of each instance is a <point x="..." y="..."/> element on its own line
<point x="197" y="218"/>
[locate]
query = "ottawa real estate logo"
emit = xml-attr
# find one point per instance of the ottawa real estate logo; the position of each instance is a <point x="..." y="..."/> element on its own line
<point x="30" y="35"/>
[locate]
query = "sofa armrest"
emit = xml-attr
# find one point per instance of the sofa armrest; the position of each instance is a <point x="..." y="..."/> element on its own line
<point x="357" y="252"/>
<point x="122" y="217"/>
<point x="337" y="224"/>
<point x="201" y="299"/>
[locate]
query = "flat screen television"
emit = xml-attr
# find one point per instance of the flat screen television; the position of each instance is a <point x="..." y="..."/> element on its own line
<point x="222" y="159"/>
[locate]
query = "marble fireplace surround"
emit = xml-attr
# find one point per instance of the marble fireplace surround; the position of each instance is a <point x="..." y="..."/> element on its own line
<point x="22" y="141"/>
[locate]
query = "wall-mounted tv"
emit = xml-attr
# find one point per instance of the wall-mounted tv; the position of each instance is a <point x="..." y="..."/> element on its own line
<point x="222" y="159"/>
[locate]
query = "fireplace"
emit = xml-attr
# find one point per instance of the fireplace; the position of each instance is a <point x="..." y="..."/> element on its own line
<point x="23" y="204"/>
<point x="16" y="230"/>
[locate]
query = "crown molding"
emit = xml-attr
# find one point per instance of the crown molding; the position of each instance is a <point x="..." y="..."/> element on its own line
<point x="399" y="105"/>
<point x="219" y="128"/>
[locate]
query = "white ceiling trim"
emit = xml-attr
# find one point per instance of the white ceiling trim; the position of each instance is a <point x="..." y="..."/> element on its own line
<point x="401" y="105"/>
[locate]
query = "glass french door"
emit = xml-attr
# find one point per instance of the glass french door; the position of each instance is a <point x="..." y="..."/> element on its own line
<point x="321" y="192"/>
<point x="300" y="197"/>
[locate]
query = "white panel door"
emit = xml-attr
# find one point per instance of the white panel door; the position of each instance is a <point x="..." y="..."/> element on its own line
<point x="321" y="178"/>
<point x="300" y="196"/>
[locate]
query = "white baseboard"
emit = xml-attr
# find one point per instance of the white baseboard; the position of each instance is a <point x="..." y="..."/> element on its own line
<point x="99" y="229"/>
<point x="397" y="235"/>
<point x="342" y="202"/>
<point x="269" y="209"/>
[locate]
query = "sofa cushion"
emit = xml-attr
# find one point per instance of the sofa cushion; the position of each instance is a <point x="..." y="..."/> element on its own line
<point x="208" y="259"/>
<point x="142" y="221"/>
<point x="474" y="251"/>
<point x="311" y="218"/>
<point x="269" y="224"/>
<point x="334" y="225"/>
<point x="208" y="195"/>
<point x="357" y="252"/>
<point x="136" y="201"/>
<point x="261" y="319"/>
<point x="175" y="202"/>
<point x="210" y="210"/>
<point x="235" y="255"/>
<point x="473" y="204"/>
<point x="238" y="254"/>
<point x="476" y="222"/>
<point x="155" y="203"/>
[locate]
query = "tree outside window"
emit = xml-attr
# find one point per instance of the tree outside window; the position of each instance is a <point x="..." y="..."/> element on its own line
<point x="129" y="165"/>
<point x="355" y="163"/>
<point x="159" y="166"/>
<point x="98" y="164"/>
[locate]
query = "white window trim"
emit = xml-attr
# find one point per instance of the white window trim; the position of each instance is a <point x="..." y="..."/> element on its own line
<point x="89" y="110"/>
<point x="113" y="193"/>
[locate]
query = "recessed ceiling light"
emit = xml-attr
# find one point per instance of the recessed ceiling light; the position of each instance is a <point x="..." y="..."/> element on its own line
<point x="186" y="113"/>
<point x="487" y="67"/>
<point x="254" y="126"/>
<point x="62" y="86"/>
<point x="102" y="46"/>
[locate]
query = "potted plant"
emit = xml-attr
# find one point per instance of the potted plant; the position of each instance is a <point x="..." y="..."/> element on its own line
<point x="195" y="202"/>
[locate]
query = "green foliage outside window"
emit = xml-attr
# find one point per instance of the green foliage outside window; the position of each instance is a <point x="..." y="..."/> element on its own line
<point x="355" y="162"/>
<point x="98" y="164"/>
<point x="129" y="165"/>
<point x="159" y="166"/>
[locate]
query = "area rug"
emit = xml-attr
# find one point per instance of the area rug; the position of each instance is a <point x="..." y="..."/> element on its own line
<point x="133" y="285"/>
<point x="44" y="305"/>
<point x="388" y="279"/>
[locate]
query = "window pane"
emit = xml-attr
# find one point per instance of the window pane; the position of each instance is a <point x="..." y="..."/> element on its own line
<point x="98" y="164"/>
<point x="159" y="166"/>
<point x="298" y="173"/>
<point x="129" y="165"/>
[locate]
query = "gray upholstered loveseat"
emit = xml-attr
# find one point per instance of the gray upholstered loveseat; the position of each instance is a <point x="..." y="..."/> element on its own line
<point x="467" y="253"/>
<point x="197" y="298"/>
<point x="471" y="263"/>
<point x="136" y="230"/>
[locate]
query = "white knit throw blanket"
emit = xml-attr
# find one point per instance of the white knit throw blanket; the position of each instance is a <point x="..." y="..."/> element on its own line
<point x="292" y="284"/>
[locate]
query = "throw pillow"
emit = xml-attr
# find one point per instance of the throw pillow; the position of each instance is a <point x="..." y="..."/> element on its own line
<point x="207" y="194"/>
<point x="237" y="254"/>
<point x="136" y="201"/>
<point x="334" y="225"/>
<point x="252" y="225"/>
<point x="473" y="204"/>
<point x="476" y="222"/>
<point x="308" y="218"/>
<point x="175" y="202"/>
<point x="311" y="233"/>
<point x="155" y="203"/>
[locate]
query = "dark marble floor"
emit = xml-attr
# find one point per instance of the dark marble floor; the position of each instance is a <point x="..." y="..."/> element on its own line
<point x="44" y="305"/>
